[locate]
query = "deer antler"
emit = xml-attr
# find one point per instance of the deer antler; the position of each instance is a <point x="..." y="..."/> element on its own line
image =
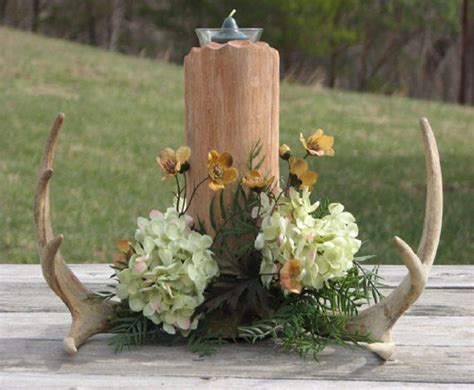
<point x="379" y="319"/>
<point x="88" y="317"/>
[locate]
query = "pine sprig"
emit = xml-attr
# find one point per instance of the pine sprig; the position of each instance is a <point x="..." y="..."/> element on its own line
<point x="308" y="322"/>
<point x="204" y="344"/>
<point x="133" y="328"/>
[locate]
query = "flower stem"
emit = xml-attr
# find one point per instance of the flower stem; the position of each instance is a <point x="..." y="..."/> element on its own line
<point x="287" y="187"/>
<point x="194" y="193"/>
<point x="185" y="192"/>
<point x="179" y="193"/>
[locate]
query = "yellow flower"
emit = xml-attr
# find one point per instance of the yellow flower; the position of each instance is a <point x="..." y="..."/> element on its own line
<point x="256" y="182"/>
<point x="300" y="176"/>
<point x="318" y="144"/>
<point x="289" y="276"/>
<point x="174" y="162"/>
<point x="284" y="152"/>
<point x="220" y="170"/>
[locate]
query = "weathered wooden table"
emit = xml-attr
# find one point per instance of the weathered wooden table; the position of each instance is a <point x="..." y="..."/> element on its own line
<point x="435" y="345"/>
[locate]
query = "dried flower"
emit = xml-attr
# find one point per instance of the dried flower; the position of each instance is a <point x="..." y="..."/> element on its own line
<point x="289" y="276"/>
<point x="318" y="144"/>
<point x="300" y="176"/>
<point x="124" y="246"/>
<point x="174" y="162"/>
<point x="220" y="170"/>
<point x="126" y="251"/>
<point x="255" y="181"/>
<point x="285" y="152"/>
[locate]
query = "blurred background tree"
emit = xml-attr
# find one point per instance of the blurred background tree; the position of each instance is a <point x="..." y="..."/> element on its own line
<point x="417" y="48"/>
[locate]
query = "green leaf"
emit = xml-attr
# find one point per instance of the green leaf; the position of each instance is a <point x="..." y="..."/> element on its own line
<point x="222" y="205"/>
<point x="212" y="216"/>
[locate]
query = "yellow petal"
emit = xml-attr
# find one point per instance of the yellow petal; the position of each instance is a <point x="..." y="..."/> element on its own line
<point x="230" y="175"/>
<point x="226" y="160"/>
<point x="269" y="181"/>
<point x="308" y="179"/>
<point x="298" y="166"/>
<point x="212" y="157"/>
<point x="329" y="152"/>
<point x="247" y="183"/>
<point x="215" y="186"/>
<point x="167" y="154"/>
<point x="183" y="154"/>
<point x="303" y="141"/>
<point x="316" y="135"/>
<point x="325" y="141"/>
<point x="254" y="174"/>
<point x="285" y="148"/>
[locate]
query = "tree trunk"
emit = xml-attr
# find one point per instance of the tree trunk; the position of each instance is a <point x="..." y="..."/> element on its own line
<point x="90" y="15"/>
<point x="35" y="15"/>
<point x="332" y="69"/>
<point x="464" y="53"/>
<point x="3" y="11"/>
<point x="231" y="102"/>
<point x="116" y="23"/>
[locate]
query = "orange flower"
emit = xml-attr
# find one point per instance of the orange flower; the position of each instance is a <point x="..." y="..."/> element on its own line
<point x="220" y="170"/>
<point x="174" y="162"/>
<point x="124" y="246"/>
<point x="256" y="182"/>
<point x="289" y="276"/>
<point x="126" y="251"/>
<point x="318" y="144"/>
<point x="300" y="177"/>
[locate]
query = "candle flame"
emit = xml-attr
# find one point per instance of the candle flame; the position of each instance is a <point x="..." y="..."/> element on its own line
<point x="232" y="13"/>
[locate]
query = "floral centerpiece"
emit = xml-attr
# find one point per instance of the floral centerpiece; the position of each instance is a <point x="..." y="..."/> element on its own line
<point x="272" y="263"/>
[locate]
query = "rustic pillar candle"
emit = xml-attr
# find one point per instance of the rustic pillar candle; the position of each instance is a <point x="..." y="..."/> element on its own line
<point x="232" y="101"/>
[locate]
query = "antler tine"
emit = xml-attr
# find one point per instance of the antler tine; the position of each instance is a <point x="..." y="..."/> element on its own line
<point x="434" y="198"/>
<point x="379" y="319"/>
<point x="88" y="317"/>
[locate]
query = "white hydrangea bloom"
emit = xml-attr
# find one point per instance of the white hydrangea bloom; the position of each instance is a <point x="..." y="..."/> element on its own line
<point x="169" y="272"/>
<point x="324" y="247"/>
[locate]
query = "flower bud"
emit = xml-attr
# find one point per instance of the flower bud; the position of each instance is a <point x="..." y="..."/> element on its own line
<point x="285" y="152"/>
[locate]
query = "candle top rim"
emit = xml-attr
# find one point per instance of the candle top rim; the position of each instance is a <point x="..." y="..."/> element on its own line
<point x="229" y="29"/>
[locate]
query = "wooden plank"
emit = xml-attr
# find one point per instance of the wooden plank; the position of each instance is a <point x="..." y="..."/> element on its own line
<point x="265" y="361"/>
<point x="409" y="330"/>
<point x="54" y="381"/>
<point x="37" y="297"/>
<point x="435" y="344"/>
<point x="441" y="276"/>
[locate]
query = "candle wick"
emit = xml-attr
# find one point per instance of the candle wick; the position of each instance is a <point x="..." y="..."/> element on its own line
<point x="232" y="13"/>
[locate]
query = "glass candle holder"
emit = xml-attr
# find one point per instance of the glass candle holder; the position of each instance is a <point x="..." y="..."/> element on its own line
<point x="223" y="35"/>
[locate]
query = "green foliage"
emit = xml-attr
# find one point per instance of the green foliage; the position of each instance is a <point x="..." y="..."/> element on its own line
<point x="254" y="155"/>
<point x="308" y="322"/>
<point x="238" y="292"/>
<point x="204" y="343"/>
<point x="323" y="209"/>
<point x="133" y="328"/>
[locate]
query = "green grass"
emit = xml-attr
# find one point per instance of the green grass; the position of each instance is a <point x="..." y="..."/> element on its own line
<point x="121" y="110"/>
